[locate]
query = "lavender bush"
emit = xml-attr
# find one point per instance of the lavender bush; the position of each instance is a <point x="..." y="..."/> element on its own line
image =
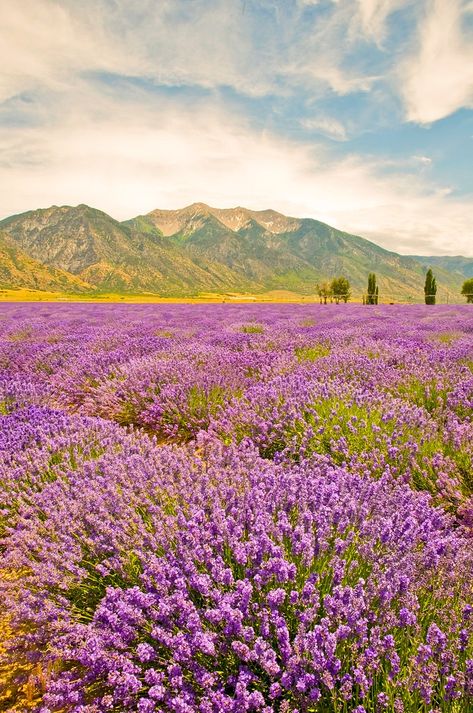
<point x="238" y="507"/>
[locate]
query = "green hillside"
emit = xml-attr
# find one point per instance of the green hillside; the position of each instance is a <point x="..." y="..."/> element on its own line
<point x="112" y="256"/>
<point x="18" y="270"/>
<point x="278" y="252"/>
<point x="457" y="264"/>
<point x="200" y="249"/>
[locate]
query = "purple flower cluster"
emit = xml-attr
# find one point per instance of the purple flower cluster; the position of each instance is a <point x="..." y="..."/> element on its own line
<point x="239" y="508"/>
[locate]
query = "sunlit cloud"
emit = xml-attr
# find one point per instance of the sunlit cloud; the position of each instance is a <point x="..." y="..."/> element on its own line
<point x="133" y="106"/>
<point x="437" y="79"/>
<point x="373" y="16"/>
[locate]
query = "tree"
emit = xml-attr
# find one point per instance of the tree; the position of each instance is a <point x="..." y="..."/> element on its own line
<point x="373" y="290"/>
<point x="324" y="291"/>
<point x="430" y="288"/>
<point x="340" y="288"/>
<point x="467" y="290"/>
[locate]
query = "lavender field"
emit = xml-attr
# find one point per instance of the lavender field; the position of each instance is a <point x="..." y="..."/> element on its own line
<point x="236" y="508"/>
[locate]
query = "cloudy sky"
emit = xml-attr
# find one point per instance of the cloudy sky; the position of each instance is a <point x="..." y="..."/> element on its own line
<point x="355" y="112"/>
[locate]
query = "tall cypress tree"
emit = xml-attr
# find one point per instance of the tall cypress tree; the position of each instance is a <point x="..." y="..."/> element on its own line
<point x="373" y="290"/>
<point x="430" y="288"/>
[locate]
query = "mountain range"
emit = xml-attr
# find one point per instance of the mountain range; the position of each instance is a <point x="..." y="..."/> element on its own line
<point x="456" y="264"/>
<point x="202" y="250"/>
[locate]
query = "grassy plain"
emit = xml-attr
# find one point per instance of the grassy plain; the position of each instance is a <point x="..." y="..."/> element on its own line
<point x="23" y="295"/>
<point x="27" y="295"/>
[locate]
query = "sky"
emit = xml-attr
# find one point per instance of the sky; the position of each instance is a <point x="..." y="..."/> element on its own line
<point x="356" y="112"/>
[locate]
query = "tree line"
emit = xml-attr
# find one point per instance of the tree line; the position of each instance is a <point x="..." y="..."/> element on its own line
<point x="339" y="290"/>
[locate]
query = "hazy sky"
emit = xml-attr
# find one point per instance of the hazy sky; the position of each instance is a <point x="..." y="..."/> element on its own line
<point x="355" y="112"/>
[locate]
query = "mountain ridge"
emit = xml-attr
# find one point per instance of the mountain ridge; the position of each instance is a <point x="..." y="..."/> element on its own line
<point x="202" y="249"/>
<point x="457" y="264"/>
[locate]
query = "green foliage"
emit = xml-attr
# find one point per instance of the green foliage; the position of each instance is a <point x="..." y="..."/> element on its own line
<point x="447" y="337"/>
<point x="5" y="406"/>
<point x="201" y="404"/>
<point x="430" y="288"/>
<point x="324" y="291"/>
<point x="428" y="395"/>
<point x="317" y="351"/>
<point x="340" y="289"/>
<point x="252" y="329"/>
<point x="85" y="594"/>
<point x="467" y="290"/>
<point x="373" y="290"/>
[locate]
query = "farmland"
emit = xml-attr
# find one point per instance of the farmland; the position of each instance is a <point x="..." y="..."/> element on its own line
<point x="236" y="508"/>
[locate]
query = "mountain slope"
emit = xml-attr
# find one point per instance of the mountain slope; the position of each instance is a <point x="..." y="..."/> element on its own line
<point x="112" y="256"/>
<point x="18" y="270"/>
<point x="252" y="254"/>
<point x="279" y="252"/>
<point x="200" y="249"/>
<point x="456" y="265"/>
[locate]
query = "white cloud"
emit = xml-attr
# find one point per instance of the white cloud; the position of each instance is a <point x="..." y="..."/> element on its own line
<point x="327" y="126"/>
<point x="129" y="159"/>
<point x="438" y="78"/>
<point x="51" y="43"/>
<point x="43" y="44"/>
<point x="204" y="43"/>
<point x="373" y="16"/>
<point x="424" y="160"/>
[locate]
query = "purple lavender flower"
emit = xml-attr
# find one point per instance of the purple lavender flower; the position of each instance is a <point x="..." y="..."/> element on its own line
<point x="204" y="518"/>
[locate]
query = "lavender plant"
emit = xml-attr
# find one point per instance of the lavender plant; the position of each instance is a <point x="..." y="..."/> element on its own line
<point x="237" y="507"/>
<point x="224" y="581"/>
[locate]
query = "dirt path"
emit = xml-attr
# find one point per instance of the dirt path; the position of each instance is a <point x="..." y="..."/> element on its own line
<point x="20" y="681"/>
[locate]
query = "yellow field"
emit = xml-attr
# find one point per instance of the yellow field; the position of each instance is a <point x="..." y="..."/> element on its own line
<point x="39" y="296"/>
<point x="21" y="682"/>
<point x="281" y="296"/>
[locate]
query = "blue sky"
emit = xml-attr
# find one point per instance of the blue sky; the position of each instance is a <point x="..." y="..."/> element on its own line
<point x="355" y="112"/>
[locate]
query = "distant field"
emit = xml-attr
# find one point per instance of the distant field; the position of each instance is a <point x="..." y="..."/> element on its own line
<point x="236" y="507"/>
<point x="23" y="295"/>
<point x="43" y="296"/>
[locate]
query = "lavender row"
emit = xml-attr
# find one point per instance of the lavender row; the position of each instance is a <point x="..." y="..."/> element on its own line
<point x="238" y="508"/>
<point x="210" y="579"/>
<point x="388" y="389"/>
